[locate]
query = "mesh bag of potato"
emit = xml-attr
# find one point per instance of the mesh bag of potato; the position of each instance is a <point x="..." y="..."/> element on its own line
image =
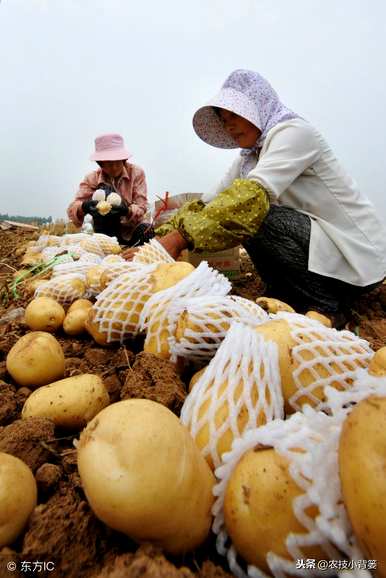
<point x="114" y="270"/>
<point x="302" y="440"/>
<point x="159" y="319"/>
<point x="238" y="390"/>
<point x="312" y="356"/>
<point x="64" y="289"/>
<point x="303" y="450"/>
<point x="152" y="252"/>
<point x="81" y="266"/>
<point x="202" y="323"/>
<point x="116" y="312"/>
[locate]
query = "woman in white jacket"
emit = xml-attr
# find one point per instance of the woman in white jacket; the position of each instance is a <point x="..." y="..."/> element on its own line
<point x="312" y="236"/>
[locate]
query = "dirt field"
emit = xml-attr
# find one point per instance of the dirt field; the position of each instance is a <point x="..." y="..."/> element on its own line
<point x="62" y="528"/>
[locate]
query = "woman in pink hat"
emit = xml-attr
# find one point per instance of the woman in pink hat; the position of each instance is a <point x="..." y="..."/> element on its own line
<point x="312" y="235"/>
<point x="116" y="174"/>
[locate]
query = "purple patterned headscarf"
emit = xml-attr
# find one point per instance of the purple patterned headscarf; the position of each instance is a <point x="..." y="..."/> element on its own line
<point x="247" y="94"/>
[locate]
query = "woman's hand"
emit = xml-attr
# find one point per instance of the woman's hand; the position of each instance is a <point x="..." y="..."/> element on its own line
<point x="128" y="254"/>
<point x="174" y="243"/>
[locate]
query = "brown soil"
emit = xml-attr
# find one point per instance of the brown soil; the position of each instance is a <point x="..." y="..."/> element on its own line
<point x="156" y="379"/>
<point x="62" y="528"/>
<point x="29" y="439"/>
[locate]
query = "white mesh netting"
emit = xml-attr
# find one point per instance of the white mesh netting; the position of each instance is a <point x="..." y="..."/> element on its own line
<point x="202" y="323"/>
<point x="239" y="389"/>
<point x="64" y="289"/>
<point x="81" y="266"/>
<point x="315" y="470"/>
<point x="322" y="357"/>
<point x="152" y="252"/>
<point x="160" y="321"/>
<point x="117" y="309"/>
<point x="114" y="270"/>
<point x="109" y="245"/>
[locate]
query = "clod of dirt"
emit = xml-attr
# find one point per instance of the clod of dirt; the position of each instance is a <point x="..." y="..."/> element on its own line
<point x="65" y="532"/>
<point x="28" y="439"/>
<point x="147" y="562"/>
<point x="156" y="379"/>
<point x="210" y="570"/>
<point x="21" y="395"/>
<point x="47" y="477"/>
<point x="8" y="403"/>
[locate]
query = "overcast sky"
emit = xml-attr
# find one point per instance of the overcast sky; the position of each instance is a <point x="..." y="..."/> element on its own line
<point x="72" y="69"/>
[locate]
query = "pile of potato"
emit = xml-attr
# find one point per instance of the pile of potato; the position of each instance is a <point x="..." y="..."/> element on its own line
<point x="150" y="475"/>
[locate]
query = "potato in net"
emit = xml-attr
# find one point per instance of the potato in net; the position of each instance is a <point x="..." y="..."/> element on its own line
<point x="202" y="323"/>
<point x="158" y="317"/>
<point x="313" y="356"/>
<point x="116" y="314"/>
<point x="64" y="289"/>
<point x="152" y="252"/>
<point x="279" y="496"/>
<point x="239" y="390"/>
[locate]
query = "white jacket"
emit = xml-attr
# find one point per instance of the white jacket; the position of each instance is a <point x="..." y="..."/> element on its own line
<point x="299" y="170"/>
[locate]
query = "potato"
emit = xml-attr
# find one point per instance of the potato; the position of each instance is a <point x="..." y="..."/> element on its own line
<point x="319" y="317"/>
<point x="144" y="476"/>
<point x="195" y="378"/>
<point x="279" y="331"/>
<point x="79" y="304"/>
<point x="126" y="310"/>
<point x="70" y="402"/>
<point x="258" y="510"/>
<point x="271" y="305"/>
<point x="362" y="466"/>
<point x="168" y="274"/>
<point x="44" y="314"/>
<point x="377" y="366"/>
<point x="18" y="496"/>
<point x="75" y="321"/>
<point x="31" y="259"/>
<point x="36" y="359"/>
<point x="92" y="327"/>
<point x="103" y="207"/>
<point x="33" y="284"/>
<point x="93" y="277"/>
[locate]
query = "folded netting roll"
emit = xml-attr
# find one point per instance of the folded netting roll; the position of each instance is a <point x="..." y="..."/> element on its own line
<point x="202" y="323"/>
<point x="152" y="252"/>
<point x="239" y="390"/>
<point x="312" y="357"/>
<point x="160" y="320"/>
<point x="64" y="289"/>
<point x="279" y="504"/>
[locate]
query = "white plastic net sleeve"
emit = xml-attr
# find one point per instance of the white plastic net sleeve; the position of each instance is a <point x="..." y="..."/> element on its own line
<point x="152" y="252"/>
<point x="244" y="377"/>
<point x="118" y="307"/>
<point x="315" y="470"/>
<point x="156" y="316"/>
<point x="64" y="289"/>
<point x="328" y="356"/>
<point x="208" y="320"/>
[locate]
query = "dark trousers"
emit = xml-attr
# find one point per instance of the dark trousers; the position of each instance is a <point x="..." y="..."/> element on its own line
<point x="280" y="255"/>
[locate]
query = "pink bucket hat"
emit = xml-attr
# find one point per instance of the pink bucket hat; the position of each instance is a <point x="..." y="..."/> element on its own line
<point x="110" y="147"/>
